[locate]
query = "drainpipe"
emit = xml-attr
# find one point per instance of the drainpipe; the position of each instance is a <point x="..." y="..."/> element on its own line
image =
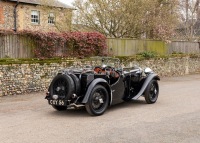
<point x="15" y="16"/>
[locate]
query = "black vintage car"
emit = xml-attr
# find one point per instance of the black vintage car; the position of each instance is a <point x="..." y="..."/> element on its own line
<point x="97" y="87"/>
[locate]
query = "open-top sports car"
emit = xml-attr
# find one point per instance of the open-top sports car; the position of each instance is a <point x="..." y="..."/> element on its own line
<point x="98" y="86"/>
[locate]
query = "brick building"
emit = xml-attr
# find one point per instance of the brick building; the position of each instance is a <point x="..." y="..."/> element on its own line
<point x="40" y="15"/>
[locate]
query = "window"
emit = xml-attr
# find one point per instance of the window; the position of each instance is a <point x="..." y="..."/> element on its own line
<point x="35" y="17"/>
<point x="51" y="18"/>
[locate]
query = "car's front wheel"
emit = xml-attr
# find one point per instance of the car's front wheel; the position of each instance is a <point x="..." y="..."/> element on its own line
<point x="152" y="91"/>
<point x="98" y="101"/>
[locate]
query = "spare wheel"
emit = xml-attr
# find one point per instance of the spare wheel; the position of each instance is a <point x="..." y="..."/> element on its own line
<point x="77" y="84"/>
<point x="63" y="86"/>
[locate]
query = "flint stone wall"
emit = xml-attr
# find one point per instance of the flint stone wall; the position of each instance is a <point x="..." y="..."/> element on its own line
<point x="24" y="78"/>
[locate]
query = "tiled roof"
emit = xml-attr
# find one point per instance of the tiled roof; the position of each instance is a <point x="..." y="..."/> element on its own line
<point x="37" y="2"/>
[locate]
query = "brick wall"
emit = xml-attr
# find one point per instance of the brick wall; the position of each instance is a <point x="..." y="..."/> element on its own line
<point x="1" y="15"/>
<point x="6" y="15"/>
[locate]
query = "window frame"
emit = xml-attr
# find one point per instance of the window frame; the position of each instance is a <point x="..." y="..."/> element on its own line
<point x="51" y="19"/>
<point x="35" y="17"/>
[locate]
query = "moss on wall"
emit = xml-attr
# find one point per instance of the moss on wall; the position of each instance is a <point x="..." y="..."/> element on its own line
<point x="8" y="61"/>
<point x="33" y="75"/>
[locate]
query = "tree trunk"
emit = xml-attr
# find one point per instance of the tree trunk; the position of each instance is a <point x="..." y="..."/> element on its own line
<point x="186" y="20"/>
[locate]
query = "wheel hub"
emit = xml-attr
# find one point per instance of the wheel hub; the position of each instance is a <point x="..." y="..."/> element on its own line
<point x="60" y="88"/>
<point x="101" y="101"/>
<point x="155" y="91"/>
<point x="97" y="100"/>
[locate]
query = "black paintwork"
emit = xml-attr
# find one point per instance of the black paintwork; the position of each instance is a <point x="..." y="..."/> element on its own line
<point x="118" y="90"/>
<point x="121" y="84"/>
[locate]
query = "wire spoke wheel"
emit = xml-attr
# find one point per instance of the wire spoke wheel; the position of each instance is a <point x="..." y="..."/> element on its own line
<point x="98" y="101"/>
<point x="152" y="91"/>
<point x="60" y="88"/>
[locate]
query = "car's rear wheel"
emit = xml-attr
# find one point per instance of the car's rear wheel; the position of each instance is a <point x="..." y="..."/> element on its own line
<point x="152" y="91"/>
<point x="98" y="101"/>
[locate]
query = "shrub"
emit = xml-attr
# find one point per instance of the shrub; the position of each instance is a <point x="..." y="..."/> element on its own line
<point x="148" y="54"/>
<point x="73" y="44"/>
<point x="86" y="44"/>
<point x="64" y="45"/>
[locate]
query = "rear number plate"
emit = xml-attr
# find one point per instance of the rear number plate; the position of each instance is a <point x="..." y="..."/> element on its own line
<point x="57" y="102"/>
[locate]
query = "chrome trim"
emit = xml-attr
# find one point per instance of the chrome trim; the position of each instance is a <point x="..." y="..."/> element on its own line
<point x="75" y="105"/>
<point x="55" y="97"/>
<point x="148" y="70"/>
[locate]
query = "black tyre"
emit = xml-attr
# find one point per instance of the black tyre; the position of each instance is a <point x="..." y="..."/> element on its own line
<point x="98" y="101"/>
<point x="77" y="84"/>
<point x="63" y="86"/>
<point x="59" y="108"/>
<point x="152" y="91"/>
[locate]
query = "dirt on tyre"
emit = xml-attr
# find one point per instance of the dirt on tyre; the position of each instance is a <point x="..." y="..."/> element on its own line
<point x="98" y="101"/>
<point x="151" y="92"/>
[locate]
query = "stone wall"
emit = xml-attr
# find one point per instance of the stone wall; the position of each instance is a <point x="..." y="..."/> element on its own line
<point x="63" y="17"/>
<point x="1" y="14"/>
<point x="172" y="66"/>
<point x="6" y="15"/>
<point x="24" y="78"/>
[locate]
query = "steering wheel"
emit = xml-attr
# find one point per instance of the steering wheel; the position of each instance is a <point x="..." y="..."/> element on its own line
<point x="111" y="72"/>
<point x="108" y="70"/>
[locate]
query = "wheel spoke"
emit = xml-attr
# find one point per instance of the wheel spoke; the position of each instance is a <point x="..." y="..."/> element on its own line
<point x="60" y="88"/>
<point x="98" y="99"/>
<point x="153" y="91"/>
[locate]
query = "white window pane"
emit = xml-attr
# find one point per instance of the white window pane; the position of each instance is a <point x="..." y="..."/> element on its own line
<point x="51" y="18"/>
<point x="51" y="15"/>
<point x="34" y="12"/>
<point x="35" y="16"/>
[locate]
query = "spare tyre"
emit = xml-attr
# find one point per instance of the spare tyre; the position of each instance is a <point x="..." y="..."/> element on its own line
<point x="77" y="84"/>
<point x="63" y="86"/>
